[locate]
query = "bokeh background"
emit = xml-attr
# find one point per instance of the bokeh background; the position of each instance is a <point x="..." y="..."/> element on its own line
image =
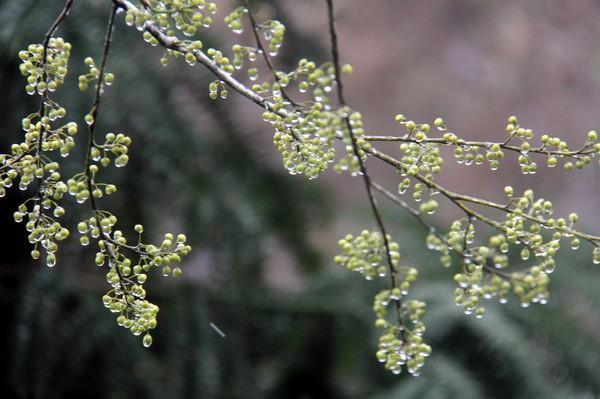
<point x="296" y="325"/>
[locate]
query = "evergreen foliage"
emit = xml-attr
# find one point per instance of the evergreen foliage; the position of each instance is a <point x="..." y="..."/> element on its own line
<point x="272" y="348"/>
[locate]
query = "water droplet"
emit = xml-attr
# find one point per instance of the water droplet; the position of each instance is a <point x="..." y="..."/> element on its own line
<point x="596" y="256"/>
<point x="575" y="243"/>
<point x="50" y="261"/>
<point x="147" y="341"/>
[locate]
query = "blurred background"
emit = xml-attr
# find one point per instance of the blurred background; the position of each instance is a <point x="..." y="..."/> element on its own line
<point x="296" y="325"/>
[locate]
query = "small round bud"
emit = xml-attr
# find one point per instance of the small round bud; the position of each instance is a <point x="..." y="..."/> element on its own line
<point x="147" y="341"/>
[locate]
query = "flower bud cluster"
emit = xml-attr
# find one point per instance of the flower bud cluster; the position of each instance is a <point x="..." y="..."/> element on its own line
<point x="188" y="52"/>
<point x="307" y="74"/>
<point x="166" y="256"/>
<point x="186" y="16"/>
<point x="304" y="140"/>
<point x="135" y="314"/>
<point x="469" y="153"/>
<point x="304" y="133"/>
<point x="366" y="254"/>
<point x="45" y="74"/>
<point x="531" y="286"/>
<point x="79" y="188"/>
<point x="401" y="345"/>
<point x="26" y="163"/>
<point x="322" y="80"/>
<point x="116" y="145"/>
<point x="525" y="223"/>
<point x="217" y="89"/>
<point x="94" y="74"/>
<point x="417" y="193"/>
<point x="477" y="279"/>
<point x="435" y="243"/>
<point x="127" y="296"/>
<point x="234" y="19"/>
<point x="218" y="58"/>
<point x="240" y="53"/>
<point x="530" y="227"/>
<point x="555" y="147"/>
<point x="30" y="161"/>
<point x="419" y="156"/>
<point x="45" y="67"/>
<point x="429" y="207"/>
<point x="83" y="185"/>
<point x="53" y="139"/>
<point x="476" y="284"/>
<point x="128" y="300"/>
<point x="350" y="162"/>
<point x="273" y="32"/>
<point x="43" y="229"/>
<point x="403" y="279"/>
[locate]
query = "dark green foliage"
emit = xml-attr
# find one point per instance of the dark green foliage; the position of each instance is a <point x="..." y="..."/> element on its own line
<point x="57" y="340"/>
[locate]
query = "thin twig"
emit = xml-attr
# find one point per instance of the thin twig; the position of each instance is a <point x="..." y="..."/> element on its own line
<point x="262" y="50"/>
<point x="585" y="150"/>
<point x="459" y="199"/>
<point x="174" y="44"/>
<point x="412" y="211"/>
<point x="96" y="108"/>
<point x="91" y="140"/>
<point x="357" y="154"/>
<point x="42" y="112"/>
<point x="430" y="228"/>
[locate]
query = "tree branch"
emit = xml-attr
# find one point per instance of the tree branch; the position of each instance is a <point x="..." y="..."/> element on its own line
<point x="173" y="43"/>
<point x="264" y="53"/>
<point x="357" y="154"/>
<point x="585" y="150"/>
